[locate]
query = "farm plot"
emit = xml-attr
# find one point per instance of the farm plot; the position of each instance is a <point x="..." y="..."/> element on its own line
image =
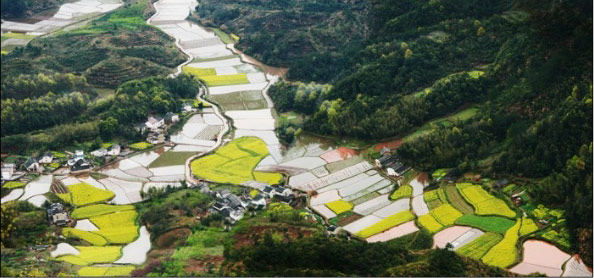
<point x="384" y="186"/>
<point x="446" y="214"/>
<point x="360" y="186"/>
<point x="483" y="202"/>
<point x="38" y="187"/>
<point x="96" y="210"/>
<point x="220" y="90"/>
<point x="102" y="271"/>
<point x="528" y="226"/>
<point x="126" y="192"/>
<point x="146" y="158"/>
<point x="494" y="224"/>
<point x="308" y="163"/>
<point x="542" y="257"/>
<point x="225" y="80"/>
<point x="404" y="191"/>
<point x="85" y="225"/>
<point x="339" y="206"/>
<point x="435" y="198"/>
<point x="393" y="208"/>
<point x="386" y="223"/>
<point x="339" y="154"/>
<point x="504" y="253"/>
<point x="37" y="200"/>
<point x="233" y="163"/>
<point x="243" y="100"/>
<point x="372" y="205"/>
<point x="136" y="251"/>
<point x="324" y="211"/>
<point x="457" y="200"/>
<point x="466" y="238"/>
<point x="13" y="195"/>
<point x="419" y="206"/>
<point x="315" y="183"/>
<point x="171" y="158"/>
<point x="323" y="198"/>
<point x="575" y="267"/>
<point x="176" y="170"/>
<point x="430" y="223"/>
<point x="118" y="227"/>
<point x="90" y="237"/>
<point x="93" y="254"/>
<point x="82" y="194"/>
<point x="448" y="235"/>
<point x="361" y="224"/>
<point x="339" y="165"/>
<point x="64" y="249"/>
<point x="13" y="184"/>
<point x="395" y="232"/>
<point x="480" y="246"/>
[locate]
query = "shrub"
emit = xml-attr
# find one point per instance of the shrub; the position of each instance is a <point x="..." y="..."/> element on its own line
<point x="139" y="146"/>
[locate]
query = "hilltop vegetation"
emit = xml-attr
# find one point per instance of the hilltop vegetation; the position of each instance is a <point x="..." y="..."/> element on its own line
<point x="18" y="8"/>
<point x="110" y="50"/>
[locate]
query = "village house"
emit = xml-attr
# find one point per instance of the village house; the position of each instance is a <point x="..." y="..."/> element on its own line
<point x="114" y="149"/>
<point x="57" y="215"/>
<point x="81" y="165"/>
<point x="99" y="153"/>
<point x="258" y="202"/>
<point x="8" y="170"/>
<point x="171" y="118"/>
<point x="32" y="165"/>
<point x="153" y="123"/>
<point x="78" y="154"/>
<point x="385" y="160"/>
<point x="268" y="191"/>
<point x="46" y="158"/>
<point x="187" y="108"/>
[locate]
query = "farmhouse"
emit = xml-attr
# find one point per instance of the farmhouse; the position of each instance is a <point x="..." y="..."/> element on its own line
<point x="99" y="153"/>
<point x="385" y="160"/>
<point x="154" y="123"/>
<point x="80" y="165"/>
<point x="57" y="215"/>
<point x="268" y="191"/>
<point x="46" y="158"/>
<point x="33" y="166"/>
<point x="78" y="154"/>
<point x="8" y="170"/>
<point x="114" y="150"/>
<point x="501" y="183"/>
<point x="258" y="202"/>
<point x="170" y="118"/>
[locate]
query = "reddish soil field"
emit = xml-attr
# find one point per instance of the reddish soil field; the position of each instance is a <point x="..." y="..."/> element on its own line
<point x="197" y="267"/>
<point x="392" y="145"/>
<point x="349" y="219"/>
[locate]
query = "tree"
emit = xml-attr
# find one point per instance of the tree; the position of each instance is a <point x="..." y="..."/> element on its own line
<point x="408" y="53"/>
<point x="480" y="31"/>
<point x="108" y="127"/>
<point x="8" y="217"/>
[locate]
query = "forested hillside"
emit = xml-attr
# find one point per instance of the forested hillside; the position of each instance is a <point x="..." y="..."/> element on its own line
<point x="17" y="8"/>
<point x="526" y="64"/>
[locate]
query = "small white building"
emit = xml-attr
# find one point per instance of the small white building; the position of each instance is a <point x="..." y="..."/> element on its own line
<point x="114" y="150"/>
<point x="78" y="155"/>
<point x="99" y="153"/>
<point x="45" y="158"/>
<point x="32" y="165"/>
<point x="8" y="169"/>
<point x="154" y="123"/>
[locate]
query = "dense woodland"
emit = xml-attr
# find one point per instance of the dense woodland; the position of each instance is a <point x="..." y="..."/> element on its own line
<point x="418" y="63"/>
<point x="20" y="8"/>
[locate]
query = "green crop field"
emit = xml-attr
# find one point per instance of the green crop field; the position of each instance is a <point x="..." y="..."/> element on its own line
<point x="504" y="253"/>
<point x="139" y="146"/>
<point x="234" y="163"/>
<point x="171" y="158"/>
<point x="13" y="184"/>
<point x="480" y="246"/>
<point x="386" y="223"/>
<point x="404" y="191"/>
<point x="485" y="203"/>
<point x="457" y="200"/>
<point x="244" y="100"/>
<point x="223" y="80"/>
<point x="84" y="194"/>
<point x="494" y="224"/>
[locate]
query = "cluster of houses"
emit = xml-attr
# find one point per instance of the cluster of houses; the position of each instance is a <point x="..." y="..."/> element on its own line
<point x="391" y="164"/>
<point x="157" y="126"/>
<point x="57" y="215"/>
<point x="233" y="207"/>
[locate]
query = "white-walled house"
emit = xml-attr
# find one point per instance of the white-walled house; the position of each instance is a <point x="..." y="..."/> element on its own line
<point x="99" y="153"/>
<point x="8" y="169"/>
<point x="154" y="123"/>
<point x="46" y="158"/>
<point x="114" y="150"/>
